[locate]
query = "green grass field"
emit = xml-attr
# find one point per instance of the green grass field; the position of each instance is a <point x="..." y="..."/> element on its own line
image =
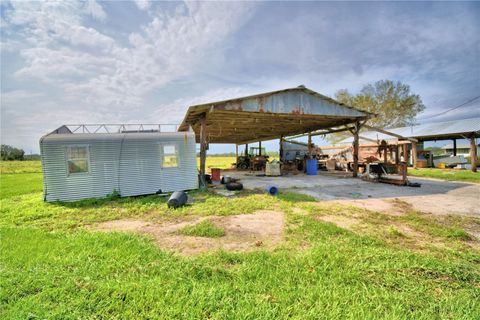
<point x="446" y="174"/>
<point x="54" y="266"/>
<point x="218" y="162"/>
<point x="203" y="229"/>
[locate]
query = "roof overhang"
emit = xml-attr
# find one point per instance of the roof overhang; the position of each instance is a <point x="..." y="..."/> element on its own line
<point x="269" y="116"/>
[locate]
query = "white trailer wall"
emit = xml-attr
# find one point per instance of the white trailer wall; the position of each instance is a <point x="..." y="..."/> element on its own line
<point x="129" y="163"/>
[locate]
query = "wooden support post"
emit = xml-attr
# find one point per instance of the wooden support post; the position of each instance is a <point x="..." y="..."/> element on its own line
<point x="280" y="152"/>
<point x="430" y="159"/>
<point x="355" y="149"/>
<point x="203" y="150"/>
<point x="473" y="154"/>
<point x="246" y="150"/>
<point x="397" y="154"/>
<point x="454" y="147"/>
<point x="414" y="155"/>
<point x="309" y="144"/>
<point x="236" y="155"/>
<point x="403" y="168"/>
<point x="260" y="148"/>
<point x="405" y="153"/>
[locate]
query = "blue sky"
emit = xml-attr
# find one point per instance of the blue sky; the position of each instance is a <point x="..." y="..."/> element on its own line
<point x="133" y="62"/>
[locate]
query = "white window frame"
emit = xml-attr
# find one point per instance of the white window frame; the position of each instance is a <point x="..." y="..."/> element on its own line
<point x="67" y="159"/>
<point x="163" y="154"/>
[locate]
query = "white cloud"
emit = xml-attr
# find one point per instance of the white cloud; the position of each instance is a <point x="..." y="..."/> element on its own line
<point x="95" y="10"/>
<point x="175" y="111"/>
<point x="93" y="77"/>
<point x="89" y="64"/>
<point x="143" y="4"/>
<point x="67" y="61"/>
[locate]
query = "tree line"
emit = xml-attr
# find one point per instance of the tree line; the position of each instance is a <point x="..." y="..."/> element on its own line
<point x="9" y="153"/>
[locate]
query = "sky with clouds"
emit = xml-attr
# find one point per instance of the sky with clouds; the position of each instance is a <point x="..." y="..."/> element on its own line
<point x="70" y="62"/>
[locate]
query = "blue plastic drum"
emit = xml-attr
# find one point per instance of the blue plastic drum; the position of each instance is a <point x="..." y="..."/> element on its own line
<point x="312" y="167"/>
<point x="272" y="190"/>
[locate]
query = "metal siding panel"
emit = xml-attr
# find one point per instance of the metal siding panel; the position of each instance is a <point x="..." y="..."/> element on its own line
<point x="185" y="176"/>
<point x="128" y="163"/>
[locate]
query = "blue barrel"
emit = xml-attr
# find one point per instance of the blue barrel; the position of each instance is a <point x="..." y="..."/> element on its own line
<point x="312" y="167"/>
<point x="272" y="190"/>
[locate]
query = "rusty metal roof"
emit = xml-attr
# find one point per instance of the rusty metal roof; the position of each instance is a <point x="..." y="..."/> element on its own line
<point x="455" y="129"/>
<point x="269" y="115"/>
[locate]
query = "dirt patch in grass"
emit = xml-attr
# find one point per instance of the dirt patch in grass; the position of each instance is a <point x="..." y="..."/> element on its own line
<point x="246" y="232"/>
<point x="453" y="202"/>
<point x="382" y="205"/>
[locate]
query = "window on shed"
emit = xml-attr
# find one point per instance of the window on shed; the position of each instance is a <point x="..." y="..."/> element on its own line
<point x="77" y="159"/>
<point x="170" y="158"/>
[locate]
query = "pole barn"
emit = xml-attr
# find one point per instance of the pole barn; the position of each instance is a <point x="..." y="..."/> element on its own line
<point x="268" y="116"/>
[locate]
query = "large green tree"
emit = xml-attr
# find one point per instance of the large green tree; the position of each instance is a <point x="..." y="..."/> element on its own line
<point x="391" y="101"/>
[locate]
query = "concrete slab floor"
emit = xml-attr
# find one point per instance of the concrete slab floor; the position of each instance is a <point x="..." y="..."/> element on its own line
<point x="434" y="196"/>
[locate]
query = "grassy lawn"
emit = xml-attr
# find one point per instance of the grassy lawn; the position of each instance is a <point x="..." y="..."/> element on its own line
<point x="203" y="229"/>
<point x="218" y="162"/>
<point x="446" y="174"/>
<point x="21" y="183"/>
<point x="53" y="265"/>
<point x="33" y="166"/>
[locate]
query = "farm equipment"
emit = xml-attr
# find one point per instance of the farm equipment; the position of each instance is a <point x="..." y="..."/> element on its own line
<point x="255" y="159"/>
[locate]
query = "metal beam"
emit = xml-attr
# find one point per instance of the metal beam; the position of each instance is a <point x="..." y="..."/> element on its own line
<point x="320" y="133"/>
<point x="389" y="133"/>
<point x="368" y="139"/>
<point x="296" y="142"/>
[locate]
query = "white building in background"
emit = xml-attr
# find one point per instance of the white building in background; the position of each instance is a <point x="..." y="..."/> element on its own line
<point x="463" y="149"/>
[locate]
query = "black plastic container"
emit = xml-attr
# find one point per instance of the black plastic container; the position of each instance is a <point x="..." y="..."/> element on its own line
<point x="177" y="199"/>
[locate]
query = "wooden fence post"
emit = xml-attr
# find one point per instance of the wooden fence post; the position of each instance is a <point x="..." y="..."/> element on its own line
<point x="355" y="149"/>
<point x="473" y="154"/>
<point x="203" y="150"/>
<point x="414" y="155"/>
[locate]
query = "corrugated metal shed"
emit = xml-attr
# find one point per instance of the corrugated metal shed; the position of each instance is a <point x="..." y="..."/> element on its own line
<point x="269" y="115"/>
<point x="459" y="146"/>
<point x="129" y="163"/>
<point x="456" y="129"/>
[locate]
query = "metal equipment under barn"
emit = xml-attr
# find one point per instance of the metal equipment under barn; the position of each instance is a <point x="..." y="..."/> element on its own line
<point x="254" y="159"/>
<point x="93" y="161"/>
<point x="415" y="136"/>
<point x="268" y="116"/>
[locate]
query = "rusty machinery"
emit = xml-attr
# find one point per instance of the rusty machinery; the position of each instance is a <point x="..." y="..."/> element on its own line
<point x="377" y="162"/>
<point x="392" y="172"/>
<point x="255" y="159"/>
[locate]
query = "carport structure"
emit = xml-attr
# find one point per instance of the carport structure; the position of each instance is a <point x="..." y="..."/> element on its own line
<point x="435" y="131"/>
<point x="271" y="115"/>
